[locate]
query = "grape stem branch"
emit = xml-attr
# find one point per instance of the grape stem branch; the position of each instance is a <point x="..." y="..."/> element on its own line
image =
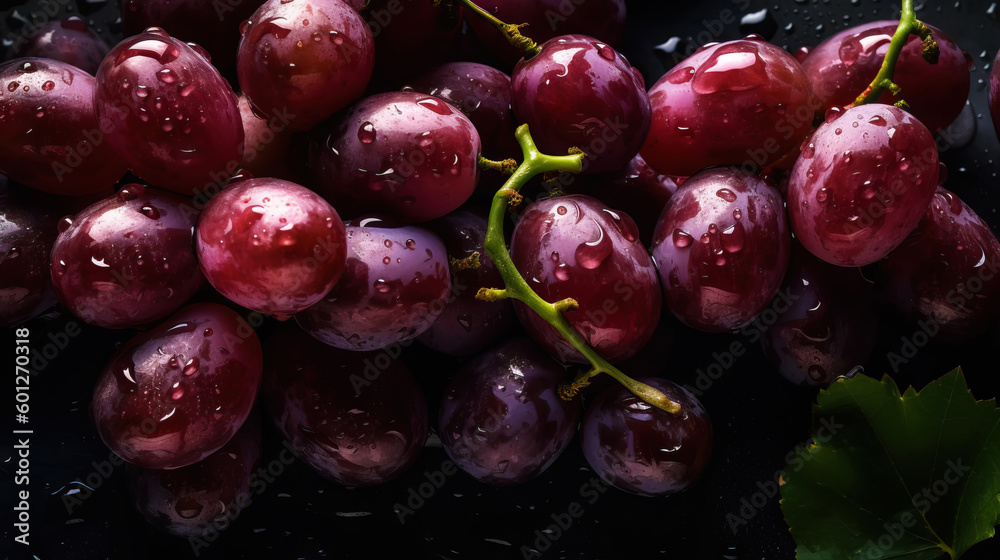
<point x="908" y="25"/>
<point x="510" y="31"/>
<point x="517" y="288"/>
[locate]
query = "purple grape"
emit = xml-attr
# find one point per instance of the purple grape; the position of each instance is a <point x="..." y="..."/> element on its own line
<point x="69" y="40"/>
<point x="843" y="65"/>
<point x="190" y="501"/>
<point x="27" y="232"/>
<point x="721" y="248"/>
<point x="993" y="94"/>
<point x="394" y="286"/>
<point x="271" y="148"/>
<point x="175" y="394"/>
<point x="405" y="154"/>
<point x="579" y="92"/>
<point x="49" y="136"/>
<point x="546" y="19"/>
<point x="641" y="449"/>
<point x="744" y="102"/>
<point x="862" y="183"/>
<point x="127" y="260"/>
<point x="575" y="247"/>
<point x="502" y="420"/>
<point x="468" y="325"/>
<point x="357" y="418"/>
<point x="270" y="245"/>
<point x="943" y="274"/>
<point x="304" y="60"/>
<point x="483" y="94"/>
<point x="168" y="113"/>
<point x="830" y="325"/>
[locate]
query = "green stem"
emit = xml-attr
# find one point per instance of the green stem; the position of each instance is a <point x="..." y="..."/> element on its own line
<point x="504" y="166"/>
<point x="908" y="24"/>
<point x="517" y="288"/>
<point x="510" y="31"/>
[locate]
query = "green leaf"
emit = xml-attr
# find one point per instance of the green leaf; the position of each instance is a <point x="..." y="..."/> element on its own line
<point x="913" y="476"/>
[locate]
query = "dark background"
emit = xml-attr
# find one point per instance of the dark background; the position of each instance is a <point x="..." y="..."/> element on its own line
<point x="758" y="417"/>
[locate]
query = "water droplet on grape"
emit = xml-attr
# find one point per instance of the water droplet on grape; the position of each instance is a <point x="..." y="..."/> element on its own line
<point x="726" y="194"/>
<point x="177" y="393"/>
<point x="166" y="76"/>
<point x="561" y="273"/>
<point x="48" y="85"/>
<point x="188" y="508"/>
<point x="382" y="286"/>
<point x="435" y="105"/>
<point x="877" y="121"/>
<point x="681" y="238"/>
<point x="366" y="133"/>
<point x="732" y="238"/>
<point x="411" y="244"/>
<point x="816" y="373"/>
<point x="809" y="151"/>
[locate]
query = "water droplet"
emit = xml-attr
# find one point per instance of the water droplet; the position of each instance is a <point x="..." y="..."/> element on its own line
<point x="27" y="67"/>
<point x="177" y="394"/>
<point x="726" y="194"/>
<point x="561" y="210"/>
<point x="207" y="332"/>
<point x="166" y="76"/>
<point x="561" y="273"/>
<point x="142" y="92"/>
<point x="877" y="121"/>
<point x="366" y="133"/>
<point x="605" y="52"/>
<point x="435" y="105"/>
<point x="411" y="244"/>
<point x="816" y="373"/>
<point x="11" y="87"/>
<point x="150" y="212"/>
<point x="732" y="238"/>
<point x="47" y="86"/>
<point x="681" y="238"/>
<point x="809" y="151"/>
<point x="593" y="253"/>
<point x="463" y="320"/>
<point x="382" y="286"/>
<point x="191" y="367"/>
<point x="821" y="195"/>
<point x="188" y="508"/>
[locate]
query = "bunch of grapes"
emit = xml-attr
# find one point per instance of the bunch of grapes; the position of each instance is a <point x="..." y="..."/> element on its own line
<point x="356" y="190"/>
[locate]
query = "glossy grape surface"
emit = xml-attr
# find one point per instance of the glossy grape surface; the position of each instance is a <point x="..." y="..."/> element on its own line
<point x="69" y="40"/>
<point x="861" y="184"/>
<point x="644" y="450"/>
<point x="49" y="136"/>
<point x="483" y="94"/>
<point x="828" y="326"/>
<point x="270" y="245"/>
<point x="468" y="325"/>
<point x="127" y="260"/>
<point x="175" y="394"/>
<point x="304" y="60"/>
<point x="395" y="285"/>
<point x="357" y="418"/>
<point x="168" y="113"/>
<point x="502" y="420"/>
<point x="271" y="149"/>
<point x="744" y="102"/>
<point x="27" y="231"/>
<point x="546" y="19"/>
<point x="580" y="92"/>
<point x="944" y="274"/>
<point x="405" y="154"/>
<point x="994" y="95"/>
<point x="721" y="248"/>
<point x="575" y="247"/>
<point x="188" y="501"/>
<point x="843" y="65"/>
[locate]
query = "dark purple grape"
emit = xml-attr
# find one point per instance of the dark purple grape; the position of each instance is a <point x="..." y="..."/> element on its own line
<point x="27" y="232"/>
<point x="842" y="66"/>
<point x="644" y="450"/>
<point x="395" y="285"/>
<point x="829" y="325"/>
<point x="175" y="394"/>
<point x="411" y="36"/>
<point x="744" y="102"/>
<point x="579" y="92"/>
<point x="575" y="247"/>
<point x="357" y="418"/>
<point x="271" y="148"/>
<point x="468" y="325"/>
<point x="546" y="19"/>
<point x="483" y="94"/>
<point x="862" y="183"/>
<point x="993" y="94"/>
<point x="168" y="113"/>
<point x="49" y="136"/>
<point x="215" y="25"/>
<point x="304" y="60"/>
<point x="405" y="154"/>
<point x="502" y="420"/>
<point x="191" y="501"/>
<point x="637" y="190"/>
<point x="270" y="245"/>
<point x="127" y="260"/>
<point x="69" y="40"/>
<point x="944" y="274"/>
<point x="721" y="248"/>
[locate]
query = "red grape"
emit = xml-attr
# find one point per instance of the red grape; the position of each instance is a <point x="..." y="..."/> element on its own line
<point x="69" y="40"/>
<point x="175" y="394"/>
<point x="405" y="154"/>
<point x="27" y="231"/>
<point x="579" y="92"/>
<point x="644" y="450"/>
<point x="502" y="420"/>
<point x="270" y="245"/>
<point x="357" y="418"/>
<point x="127" y="260"/>
<point x="271" y="148"/>
<point x="862" y="183"/>
<point x="575" y="247"/>
<point x="49" y="136"/>
<point x="721" y="248"/>
<point x="993" y="94"/>
<point x="168" y="113"/>
<point x="304" y="60"/>
<point x="394" y="287"/>
<point x="744" y="102"/>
